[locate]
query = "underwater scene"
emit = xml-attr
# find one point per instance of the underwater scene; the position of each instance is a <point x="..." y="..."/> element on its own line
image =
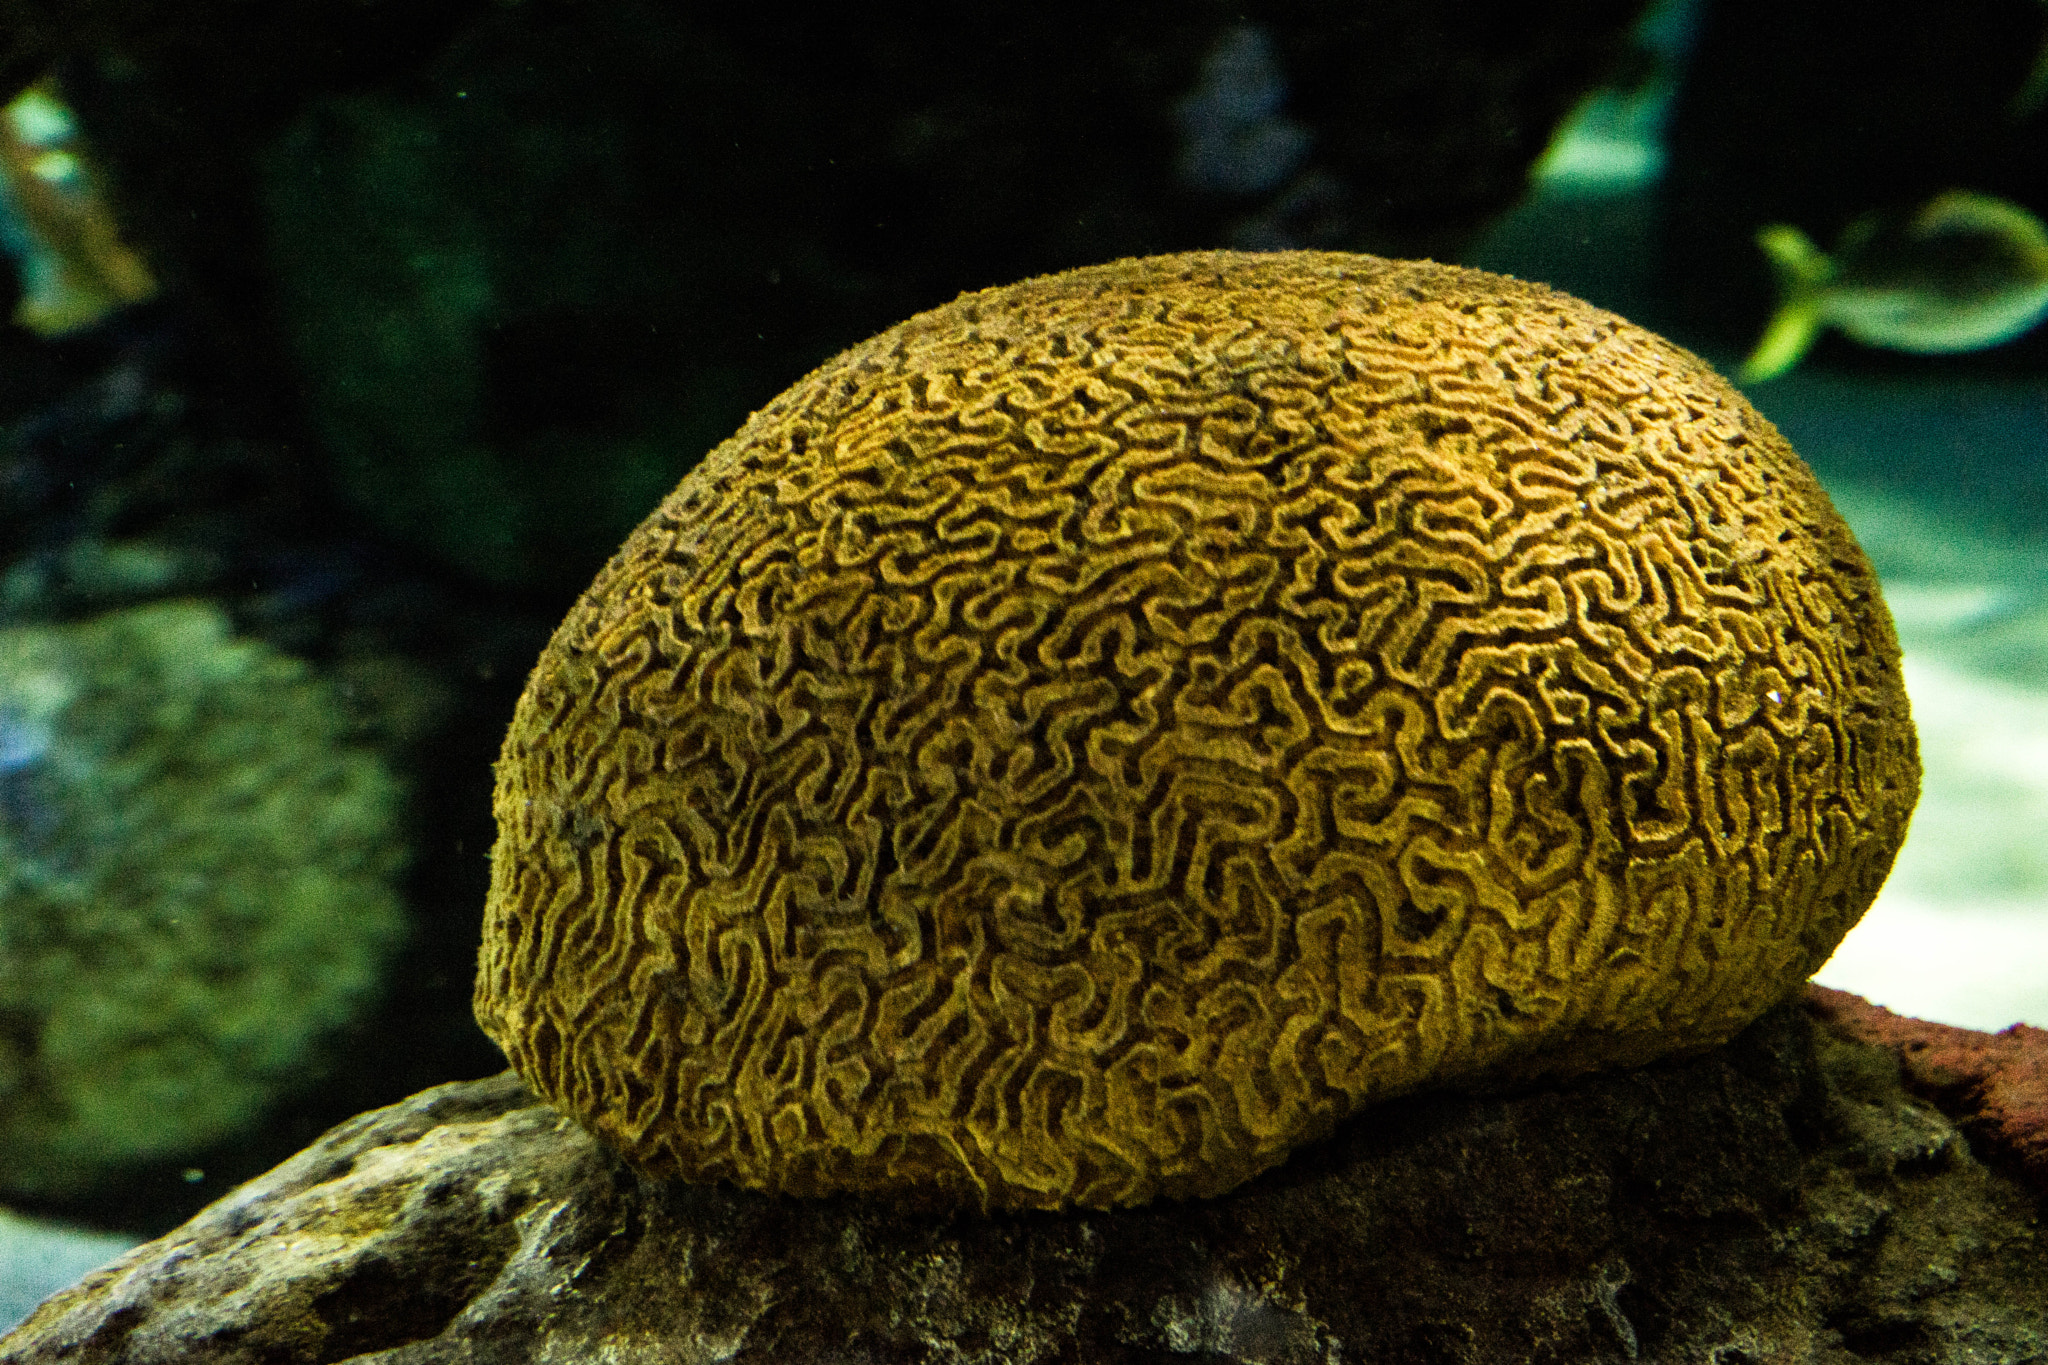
<point x="350" y="340"/>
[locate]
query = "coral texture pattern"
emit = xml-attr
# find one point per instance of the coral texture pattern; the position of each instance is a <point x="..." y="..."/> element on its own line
<point x="1086" y="741"/>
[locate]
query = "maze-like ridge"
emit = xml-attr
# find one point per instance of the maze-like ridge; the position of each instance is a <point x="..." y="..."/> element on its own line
<point x="1093" y="737"/>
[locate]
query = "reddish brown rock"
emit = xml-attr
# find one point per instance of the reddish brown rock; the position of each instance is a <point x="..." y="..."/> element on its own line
<point x="1994" y="1085"/>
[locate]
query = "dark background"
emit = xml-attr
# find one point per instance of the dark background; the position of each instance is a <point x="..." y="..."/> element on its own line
<point x="455" y="290"/>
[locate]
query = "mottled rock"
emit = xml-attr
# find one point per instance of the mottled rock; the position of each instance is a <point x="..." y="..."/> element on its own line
<point x="1781" y="1199"/>
<point x="1994" y="1084"/>
<point x="197" y="888"/>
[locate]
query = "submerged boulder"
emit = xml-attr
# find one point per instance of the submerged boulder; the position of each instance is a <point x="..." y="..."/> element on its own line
<point x="1785" y="1197"/>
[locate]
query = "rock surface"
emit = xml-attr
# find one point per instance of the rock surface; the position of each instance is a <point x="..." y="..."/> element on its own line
<point x="174" y="953"/>
<point x="1784" y="1198"/>
<point x="1995" y="1085"/>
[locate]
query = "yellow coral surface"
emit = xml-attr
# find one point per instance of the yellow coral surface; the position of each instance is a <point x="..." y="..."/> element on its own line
<point x="1093" y="737"/>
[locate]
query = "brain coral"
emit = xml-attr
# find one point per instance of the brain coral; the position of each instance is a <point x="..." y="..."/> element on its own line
<point x="1093" y="737"/>
<point x="195" y="884"/>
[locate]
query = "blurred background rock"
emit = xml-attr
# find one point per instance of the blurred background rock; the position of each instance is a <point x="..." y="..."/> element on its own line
<point x="196" y="870"/>
<point x="449" y="292"/>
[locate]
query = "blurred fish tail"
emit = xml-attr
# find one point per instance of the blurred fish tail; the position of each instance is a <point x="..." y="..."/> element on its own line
<point x="1803" y="270"/>
<point x="1785" y="340"/>
<point x="1798" y="263"/>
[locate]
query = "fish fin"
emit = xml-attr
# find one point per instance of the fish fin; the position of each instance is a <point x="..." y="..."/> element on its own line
<point x="1784" y="341"/>
<point x="1963" y="211"/>
<point x="1802" y="269"/>
<point x="1799" y="264"/>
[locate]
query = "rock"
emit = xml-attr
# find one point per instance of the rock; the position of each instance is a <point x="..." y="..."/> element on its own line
<point x="1783" y="1198"/>
<point x="198" y="868"/>
<point x="1994" y="1084"/>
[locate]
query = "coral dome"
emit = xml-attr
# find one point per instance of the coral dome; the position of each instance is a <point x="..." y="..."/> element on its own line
<point x="1094" y="737"/>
